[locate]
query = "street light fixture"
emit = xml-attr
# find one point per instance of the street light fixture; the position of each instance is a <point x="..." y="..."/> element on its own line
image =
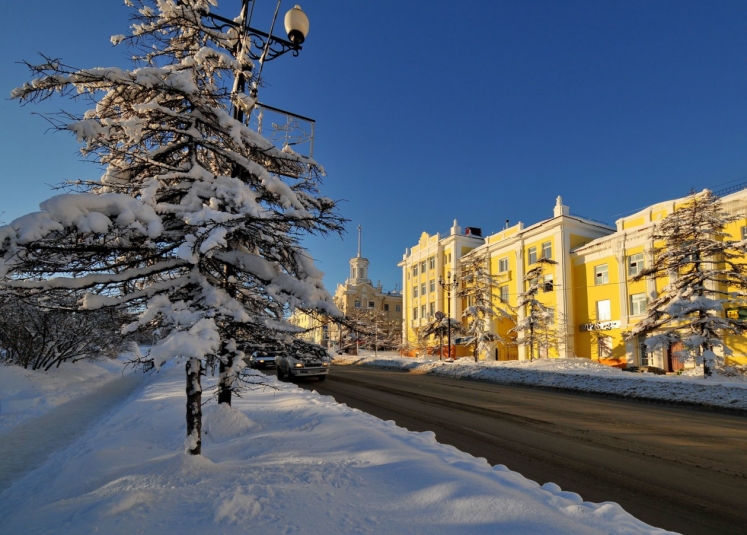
<point x="268" y="46"/>
<point x="448" y="286"/>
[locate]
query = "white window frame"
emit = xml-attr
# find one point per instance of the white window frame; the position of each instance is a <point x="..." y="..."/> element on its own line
<point x="357" y="303"/>
<point x="548" y="284"/>
<point x="433" y="285"/>
<point x="743" y="232"/>
<point x="604" y="310"/>
<point x="532" y="255"/>
<point x="635" y="264"/>
<point x="547" y="246"/>
<point x="422" y="267"/>
<point x="638" y="304"/>
<point x="503" y="293"/>
<point x="423" y="311"/>
<point x="601" y="274"/>
<point x="371" y="304"/>
<point x="414" y="313"/>
<point x="432" y="262"/>
<point x="397" y="308"/>
<point x="415" y="270"/>
<point x="423" y="289"/>
<point x="415" y="291"/>
<point x="503" y="265"/>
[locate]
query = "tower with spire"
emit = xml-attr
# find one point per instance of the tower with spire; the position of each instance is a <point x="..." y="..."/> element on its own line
<point x="359" y="265"/>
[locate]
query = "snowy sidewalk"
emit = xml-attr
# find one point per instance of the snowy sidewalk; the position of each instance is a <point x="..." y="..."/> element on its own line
<point x="283" y="461"/>
<point x="28" y="444"/>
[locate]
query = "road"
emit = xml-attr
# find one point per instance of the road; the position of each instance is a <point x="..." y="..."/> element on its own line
<point x="676" y="468"/>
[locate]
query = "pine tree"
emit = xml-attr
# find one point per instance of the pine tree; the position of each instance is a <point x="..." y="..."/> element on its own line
<point x="709" y="273"/>
<point x="537" y="328"/>
<point x="196" y="221"/>
<point x="479" y="288"/>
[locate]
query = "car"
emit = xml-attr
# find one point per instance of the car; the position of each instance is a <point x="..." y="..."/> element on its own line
<point x="292" y="366"/>
<point x="261" y="359"/>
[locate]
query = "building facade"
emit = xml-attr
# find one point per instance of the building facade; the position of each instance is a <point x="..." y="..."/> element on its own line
<point x="588" y="290"/>
<point x="356" y="296"/>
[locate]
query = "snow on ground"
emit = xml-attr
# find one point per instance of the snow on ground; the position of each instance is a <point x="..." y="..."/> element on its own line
<point x="26" y="393"/>
<point x="281" y="460"/>
<point x="577" y="374"/>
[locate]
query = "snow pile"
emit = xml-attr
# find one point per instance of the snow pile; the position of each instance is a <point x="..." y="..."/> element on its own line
<point x="577" y="374"/>
<point x="25" y="394"/>
<point x="283" y="460"/>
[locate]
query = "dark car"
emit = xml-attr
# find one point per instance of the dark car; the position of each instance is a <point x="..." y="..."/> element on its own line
<point x="261" y="359"/>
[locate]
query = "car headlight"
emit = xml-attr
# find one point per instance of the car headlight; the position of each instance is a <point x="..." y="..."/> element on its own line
<point x="261" y="361"/>
<point x="325" y="364"/>
<point x="298" y="365"/>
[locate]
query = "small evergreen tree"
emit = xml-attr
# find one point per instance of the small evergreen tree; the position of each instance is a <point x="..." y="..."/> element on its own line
<point x="537" y="328"/>
<point x="197" y="218"/>
<point x="709" y="272"/>
<point x="479" y="287"/>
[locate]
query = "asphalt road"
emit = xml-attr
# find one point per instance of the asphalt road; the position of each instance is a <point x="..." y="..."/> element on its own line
<point x="673" y="467"/>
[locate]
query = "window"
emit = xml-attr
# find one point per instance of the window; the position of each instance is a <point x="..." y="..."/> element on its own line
<point x="422" y="289"/>
<point x="503" y="293"/>
<point x="547" y="285"/>
<point x="397" y="308"/>
<point x="532" y="255"/>
<point x="422" y="267"/>
<point x="551" y="316"/>
<point x="422" y="311"/>
<point x="415" y="291"/>
<point x="638" y="304"/>
<point x="547" y="250"/>
<point x="503" y="265"/>
<point x="415" y="313"/>
<point x="604" y="312"/>
<point x="432" y="262"/>
<point x="415" y="270"/>
<point x="433" y="285"/>
<point x="386" y="307"/>
<point x="635" y="264"/>
<point x="370" y="304"/>
<point x="645" y="356"/>
<point x="357" y="303"/>
<point x="361" y="273"/>
<point x="432" y="309"/>
<point x="604" y="346"/>
<point x="601" y="276"/>
<point x="743" y="232"/>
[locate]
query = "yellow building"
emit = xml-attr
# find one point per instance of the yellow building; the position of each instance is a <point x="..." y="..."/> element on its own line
<point x="357" y="293"/>
<point x="608" y="303"/>
<point x="589" y="290"/>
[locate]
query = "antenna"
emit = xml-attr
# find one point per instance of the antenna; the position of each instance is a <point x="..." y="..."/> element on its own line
<point x="359" y="240"/>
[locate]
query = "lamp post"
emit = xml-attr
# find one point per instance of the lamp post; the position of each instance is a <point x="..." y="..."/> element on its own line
<point x="256" y="44"/>
<point x="448" y="286"/>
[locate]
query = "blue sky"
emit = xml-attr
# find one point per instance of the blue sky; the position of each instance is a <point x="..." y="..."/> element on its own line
<point x="428" y="111"/>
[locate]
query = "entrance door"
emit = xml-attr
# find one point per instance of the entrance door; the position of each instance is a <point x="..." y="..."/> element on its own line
<point x="674" y="361"/>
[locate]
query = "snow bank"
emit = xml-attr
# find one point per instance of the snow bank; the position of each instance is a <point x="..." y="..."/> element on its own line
<point x="283" y="460"/>
<point x="577" y="374"/>
<point x="26" y="394"/>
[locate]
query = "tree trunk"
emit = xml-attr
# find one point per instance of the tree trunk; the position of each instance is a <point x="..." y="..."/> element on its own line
<point x="194" y="406"/>
<point x="226" y="377"/>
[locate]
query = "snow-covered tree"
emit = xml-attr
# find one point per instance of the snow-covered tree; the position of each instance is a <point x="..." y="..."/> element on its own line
<point x="196" y="220"/>
<point x="440" y="328"/>
<point x="39" y="335"/>
<point x="537" y="329"/>
<point x="479" y="288"/>
<point x="707" y="270"/>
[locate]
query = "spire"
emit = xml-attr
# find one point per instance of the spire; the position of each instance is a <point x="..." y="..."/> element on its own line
<point x="359" y="240"/>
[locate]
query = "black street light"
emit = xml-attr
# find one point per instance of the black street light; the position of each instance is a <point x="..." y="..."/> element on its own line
<point x="448" y="286"/>
<point x="268" y="46"/>
<point x="262" y="47"/>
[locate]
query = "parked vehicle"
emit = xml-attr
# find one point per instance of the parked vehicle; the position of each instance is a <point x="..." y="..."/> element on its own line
<point x="261" y="359"/>
<point x="292" y="366"/>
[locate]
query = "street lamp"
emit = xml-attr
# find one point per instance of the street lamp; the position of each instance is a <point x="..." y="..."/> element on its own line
<point x="262" y="47"/>
<point x="448" y="286"/>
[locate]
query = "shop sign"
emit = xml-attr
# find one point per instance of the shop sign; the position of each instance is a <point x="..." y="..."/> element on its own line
<point x="601" y="326"/>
